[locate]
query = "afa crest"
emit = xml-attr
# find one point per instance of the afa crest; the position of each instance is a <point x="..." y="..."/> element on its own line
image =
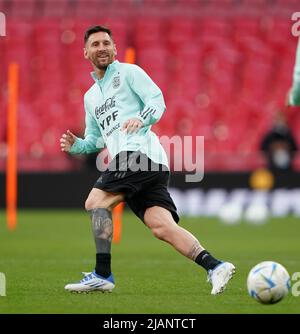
<point x="116" y="82"/>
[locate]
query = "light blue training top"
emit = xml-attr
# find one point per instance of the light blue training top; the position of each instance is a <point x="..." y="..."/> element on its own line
<point x="124" y="92"/>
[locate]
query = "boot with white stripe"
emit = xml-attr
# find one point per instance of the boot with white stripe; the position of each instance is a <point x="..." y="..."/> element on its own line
<point x="92" y="282"/>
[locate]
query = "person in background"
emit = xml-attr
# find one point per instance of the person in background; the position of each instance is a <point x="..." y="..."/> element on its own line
<point x="279" y="145"/>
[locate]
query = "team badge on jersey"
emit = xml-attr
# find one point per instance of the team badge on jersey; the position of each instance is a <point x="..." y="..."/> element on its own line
<point x="116" y="81"/>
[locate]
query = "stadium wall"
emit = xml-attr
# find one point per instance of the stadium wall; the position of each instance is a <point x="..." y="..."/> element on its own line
<point x="69" y="190"/>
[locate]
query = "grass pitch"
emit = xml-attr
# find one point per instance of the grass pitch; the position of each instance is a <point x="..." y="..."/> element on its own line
<point x="50" y="249"/>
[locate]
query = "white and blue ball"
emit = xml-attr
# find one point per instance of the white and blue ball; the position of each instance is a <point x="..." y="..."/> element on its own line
<point x="268" y="282"/>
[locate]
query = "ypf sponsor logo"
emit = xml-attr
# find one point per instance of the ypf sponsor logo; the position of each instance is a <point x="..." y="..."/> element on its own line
<point x="2" y="24"/>
<point x="296" y="26"/>
<point x="2" y="285"/>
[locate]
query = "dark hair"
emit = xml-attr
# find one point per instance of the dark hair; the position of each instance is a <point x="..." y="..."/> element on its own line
<point x="94" y="29"/>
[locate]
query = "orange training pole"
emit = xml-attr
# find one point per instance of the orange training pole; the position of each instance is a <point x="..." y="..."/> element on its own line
<point x="130" y="56"/>
<point x="118" y="210"/>
<point x="117" y="219"/>
<point x="11" y="166"/>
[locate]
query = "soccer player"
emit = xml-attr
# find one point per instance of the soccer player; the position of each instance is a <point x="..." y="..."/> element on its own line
<point x="294" y="93"/>
<point x="120" y="108"/>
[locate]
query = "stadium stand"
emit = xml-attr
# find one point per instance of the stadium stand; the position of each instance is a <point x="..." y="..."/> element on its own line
<point x="224" y="67"/>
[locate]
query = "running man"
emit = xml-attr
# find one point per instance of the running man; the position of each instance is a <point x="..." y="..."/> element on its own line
<point x="120" y="108"/>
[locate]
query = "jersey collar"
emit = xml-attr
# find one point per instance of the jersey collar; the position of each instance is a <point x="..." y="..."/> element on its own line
<point x="110" y="68"/>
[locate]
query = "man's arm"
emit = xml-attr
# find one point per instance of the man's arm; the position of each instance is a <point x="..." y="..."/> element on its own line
<point x="294" y="93"/>
<point x="150" y="94"/>
<point x="91" y="143"/>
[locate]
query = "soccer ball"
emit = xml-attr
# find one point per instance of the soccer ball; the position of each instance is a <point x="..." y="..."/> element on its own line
<point x="268" y="282"/>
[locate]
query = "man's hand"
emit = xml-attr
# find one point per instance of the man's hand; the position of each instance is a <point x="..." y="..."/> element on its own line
<point x="132" y="125"/>
<point x="67" y="140"/>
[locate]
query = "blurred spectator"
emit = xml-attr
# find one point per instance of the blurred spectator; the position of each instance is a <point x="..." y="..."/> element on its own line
<point x="279" y="145"/>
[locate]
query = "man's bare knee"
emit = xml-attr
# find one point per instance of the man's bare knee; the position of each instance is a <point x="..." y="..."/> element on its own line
<point x="160" y="229"/>
<point x="160" y="232"/>
<point x="102" y="199"/>
<point x="92" y="203"/>
<point x="160" y="222"/>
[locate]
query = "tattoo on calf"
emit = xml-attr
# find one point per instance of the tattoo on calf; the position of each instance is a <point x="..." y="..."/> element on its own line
<point x="102" y="229"/>
<point x="195" y="250"/>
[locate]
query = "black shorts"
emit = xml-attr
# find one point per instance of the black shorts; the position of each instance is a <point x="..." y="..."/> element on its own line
<point x="143" y="187"/>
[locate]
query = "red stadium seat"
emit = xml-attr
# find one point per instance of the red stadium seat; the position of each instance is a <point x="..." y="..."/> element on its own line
<point x="23" y="9"/>
<point x="180" y="32"/>
<point x="214" y="26"/>
<point x="56" y="8"/>
<point x="148" y="32"/>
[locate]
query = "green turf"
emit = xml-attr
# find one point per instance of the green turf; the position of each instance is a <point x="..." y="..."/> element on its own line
<point x="51" y="248"/>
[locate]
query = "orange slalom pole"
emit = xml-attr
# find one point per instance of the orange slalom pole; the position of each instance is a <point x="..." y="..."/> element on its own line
<point x="118" y="210"/>
<point x="117" y="220"/>
<point x="11" y="164"/>
<point x="130" y="55"/>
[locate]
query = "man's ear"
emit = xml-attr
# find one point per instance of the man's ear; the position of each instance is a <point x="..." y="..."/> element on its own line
<point x="115" y="50"/>
<point x="85" y="54"/>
